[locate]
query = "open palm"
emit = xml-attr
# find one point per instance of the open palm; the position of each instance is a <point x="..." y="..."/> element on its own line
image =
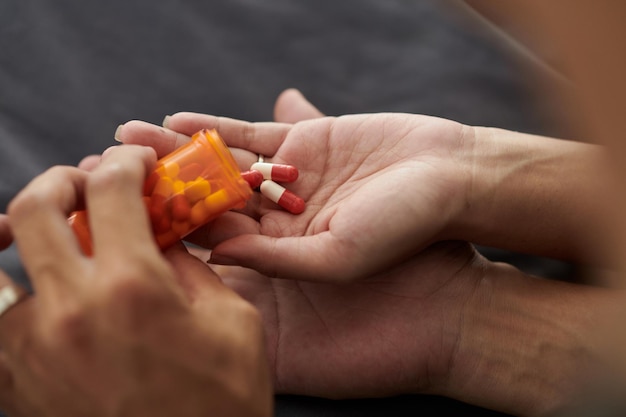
<point x="378" y="188"/>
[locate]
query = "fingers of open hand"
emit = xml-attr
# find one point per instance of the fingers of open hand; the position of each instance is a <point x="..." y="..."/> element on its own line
<point x="244" y="158"/>
<point x="292" y="107"/>
<point x="312" y="258"/>
<point x="226" y="226"/>
<point x="119" y="221"/>
<point x="259" y="138"/>
<point x="162" y="140"/>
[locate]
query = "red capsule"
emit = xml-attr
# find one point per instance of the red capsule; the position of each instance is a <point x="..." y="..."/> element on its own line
<point x="161" y="225"/>
<point x="150" y="183"/>
<point x="181" y="210"/>
<point x="283" y="197"/>
<point x="276" y="172"/>
<point x="254" y="178"/>
<point x="157" y="207"/>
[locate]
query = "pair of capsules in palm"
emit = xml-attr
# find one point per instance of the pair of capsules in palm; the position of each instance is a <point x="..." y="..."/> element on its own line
<point x="266" y="177"/>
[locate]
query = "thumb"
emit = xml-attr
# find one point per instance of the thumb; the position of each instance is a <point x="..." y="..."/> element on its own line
<point x="196" y="278"/>
<point x="292" y="107"/>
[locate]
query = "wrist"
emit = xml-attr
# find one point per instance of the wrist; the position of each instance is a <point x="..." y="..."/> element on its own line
<point x="528" y="194"/>
<point x="528" y="346"/>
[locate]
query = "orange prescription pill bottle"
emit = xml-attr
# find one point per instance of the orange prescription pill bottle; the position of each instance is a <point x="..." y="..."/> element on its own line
<point x="187" y="189"/>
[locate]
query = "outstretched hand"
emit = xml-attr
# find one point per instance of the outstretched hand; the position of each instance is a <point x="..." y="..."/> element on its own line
<point x="378" y="188"/>
<point x="389" y="334"/>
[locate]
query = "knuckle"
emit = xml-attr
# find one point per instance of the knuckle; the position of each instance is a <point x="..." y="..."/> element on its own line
<point x="248" y="315"/>
<point x="128" y="291"/>
<point x="70" y="327"/>
<point x="250" y="312"/>
<point x="42" y="191"/>
<point x="130" y="302"/>
<point x="249" y="135"/>
<point x="113" y="175"/>
<point x="126" y="285"/>
<point x="58" y="171"/>
<point x="24" y="203"/>
<point x="135" y="301"/>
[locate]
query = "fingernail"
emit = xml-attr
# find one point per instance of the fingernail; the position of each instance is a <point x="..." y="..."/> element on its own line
<point x="118" y="132"/>
<point x="221" y="260"/>
<point x="166" y="121"/>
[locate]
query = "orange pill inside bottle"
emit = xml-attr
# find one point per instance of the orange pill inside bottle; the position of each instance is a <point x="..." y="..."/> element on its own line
<point x="187" y="189"/>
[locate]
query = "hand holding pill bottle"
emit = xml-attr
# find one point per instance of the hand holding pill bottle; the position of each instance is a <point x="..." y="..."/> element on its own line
<point x="187" y="189"/>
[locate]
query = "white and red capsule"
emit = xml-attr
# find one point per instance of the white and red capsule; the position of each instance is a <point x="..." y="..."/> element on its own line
<point x="276" y="172"/>
<point x="282" y="196"/>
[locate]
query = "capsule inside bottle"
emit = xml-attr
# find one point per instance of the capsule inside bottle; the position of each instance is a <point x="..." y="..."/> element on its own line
<point x="187" y="189"/>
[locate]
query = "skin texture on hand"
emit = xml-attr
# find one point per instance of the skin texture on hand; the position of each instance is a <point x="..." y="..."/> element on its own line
<point x="530" y="193"/>
<point x="446" y="322"/>
<point x="404" y="325"/>
<point x="378" y="188"/>
<point x="128" y="331"/>
<point x="388" y="334"/>
<point x="422" y="325"/>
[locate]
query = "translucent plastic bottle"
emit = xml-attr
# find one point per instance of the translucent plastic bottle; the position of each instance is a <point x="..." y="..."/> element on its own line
<point x="187" y="189"/>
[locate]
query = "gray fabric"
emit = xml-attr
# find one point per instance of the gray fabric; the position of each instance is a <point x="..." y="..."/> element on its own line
<point x="72" y="70"/>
